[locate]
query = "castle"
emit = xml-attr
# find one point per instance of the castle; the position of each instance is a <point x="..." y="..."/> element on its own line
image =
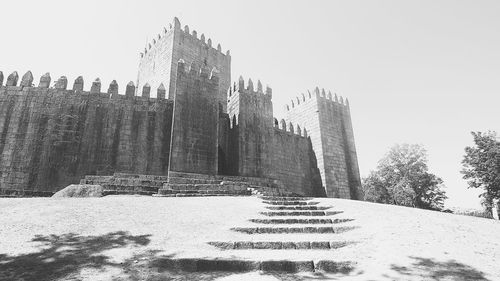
<point x="198" y="122"/>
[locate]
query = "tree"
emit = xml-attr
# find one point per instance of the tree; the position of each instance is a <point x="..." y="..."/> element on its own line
<point x="402" y="178"/>
<point x="481" y="167"/>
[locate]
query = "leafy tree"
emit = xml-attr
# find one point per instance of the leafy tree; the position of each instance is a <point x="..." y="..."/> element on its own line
<point x="481" y="167"/>
<point x="402" y="178"/>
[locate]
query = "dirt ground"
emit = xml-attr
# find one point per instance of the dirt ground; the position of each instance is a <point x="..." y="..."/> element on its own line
<point x="127" y="237"/>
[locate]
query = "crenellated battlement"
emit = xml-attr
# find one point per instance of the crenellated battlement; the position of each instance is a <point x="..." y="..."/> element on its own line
<point x="61" y="84"/>
<point x="187" y="35"/>
<point x="317" y="94"/>
<point x="198" y="72"/>
<point x="290" y="128"/>
<point x="249" y="89"/>
<point x="159" y="60"/>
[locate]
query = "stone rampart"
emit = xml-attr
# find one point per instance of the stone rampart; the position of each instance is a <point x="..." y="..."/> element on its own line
<point x="53" y="136"/>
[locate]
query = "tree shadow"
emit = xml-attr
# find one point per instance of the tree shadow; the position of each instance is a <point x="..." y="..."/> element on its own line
<point x="67" y="254"/>
<point x="431" y="269"/>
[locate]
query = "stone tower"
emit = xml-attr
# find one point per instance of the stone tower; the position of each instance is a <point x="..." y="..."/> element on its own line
<point x="251" y="113"/>
<point x="194" y="144"/>
<point x="158" y="63"/>
<point x="328" y="122"/>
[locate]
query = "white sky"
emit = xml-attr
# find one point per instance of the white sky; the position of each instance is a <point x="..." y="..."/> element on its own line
<point x="414" y="71"/>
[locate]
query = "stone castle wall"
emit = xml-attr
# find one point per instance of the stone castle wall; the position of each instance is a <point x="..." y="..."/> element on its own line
<point x="51" y="137"/>
<point x="158" y="62"/>
<point x="258" y="148"/>
<point x="294" y="163"/>
<point x="329" y="125"/>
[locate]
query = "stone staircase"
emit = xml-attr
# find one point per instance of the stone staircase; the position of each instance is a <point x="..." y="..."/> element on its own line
<point x="123" y="183"/>
<point x="178" y="184"/>
<point x="189" y="184"/>
<point x="293" y="213"/>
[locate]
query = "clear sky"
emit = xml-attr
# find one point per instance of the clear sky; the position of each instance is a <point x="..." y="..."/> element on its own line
<point x="424" y="72"/>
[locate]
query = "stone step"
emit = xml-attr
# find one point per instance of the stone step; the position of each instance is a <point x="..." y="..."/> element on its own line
<point x="191" y="181"/>
<point x="204" y="187"/>
<point x="284" y="198"/>
<point x="118" y="192"/>
<point x="250" y="180"/>
<point x="180" y="180"/>
<point x="204" y="191"/>
<point x="300" y="213"/>
<point x="196" y="195"/>
<point x="234" y="265"/>
<point x="165" y="192"/>
<point x="121" y="189"/>
<point x="281" y="230"/>
<point x="252" y="245"/>
<point x="298" y="208"/>
<point x="289" y="203"/>
<point x="300" y="221"/>
<point x="141" y="176"/>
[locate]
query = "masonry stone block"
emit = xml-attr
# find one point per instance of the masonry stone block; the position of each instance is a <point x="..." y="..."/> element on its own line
<point x="12" y="79"/>
<point x="44" y="81"/>
<point x="27" y="80"/>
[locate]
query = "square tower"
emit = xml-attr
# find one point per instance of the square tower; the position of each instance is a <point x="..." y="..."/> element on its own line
<point x="251" y="113"/>
<point x="328" y="123"/>
<point x="158" y="63"/>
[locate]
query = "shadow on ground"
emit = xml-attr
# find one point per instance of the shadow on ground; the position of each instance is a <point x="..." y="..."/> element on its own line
<point x="431" y="269"/>
<point x="64" y="255"/>
<point x="75" y="257"/>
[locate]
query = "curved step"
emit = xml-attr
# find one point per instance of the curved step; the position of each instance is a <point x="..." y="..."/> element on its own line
<point x="300" y="221"/>
<point x="265" y="245"/>
<point x="300" y="213"/>
<point x="233" y="265"/>
<point x="197" y="195"/>
<point x="312" y="229"/>
<point x="298" y="208"/>
<point x="284" y="198"/>
<point x="287" y="203"/>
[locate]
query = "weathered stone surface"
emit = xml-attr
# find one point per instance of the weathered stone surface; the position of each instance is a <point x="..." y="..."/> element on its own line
<point x="159" y="64"/>
<point x="12" y="79"/>
<point x="50" y="138"/>
<point x="45" y="81"/>
<point x="80" y="190"/>
<point x="298" y="208"/>
<point x="194" y="132"/>
<point x="62" y="83"/>
<point x="113" y="88"/>
<point x="312" y="229"/>
<point x="96" y="86"/>
<point x="334" y="267"/>
<point x="27" y="80"/>
<point x="255" y="147"/>
<point x="329" y="126"/>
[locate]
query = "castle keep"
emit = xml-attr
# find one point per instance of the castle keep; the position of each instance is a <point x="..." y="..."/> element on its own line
<point x="185" y="119"/>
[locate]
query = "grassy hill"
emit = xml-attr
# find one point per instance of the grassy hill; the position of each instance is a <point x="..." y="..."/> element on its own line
<point x="137" y="238"/>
